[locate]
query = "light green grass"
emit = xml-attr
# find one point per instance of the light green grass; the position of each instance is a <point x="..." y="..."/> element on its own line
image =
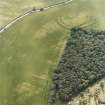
<point x="9" y="9"/>
<point x="27" y="57"/>
<point x="31" y="48"/>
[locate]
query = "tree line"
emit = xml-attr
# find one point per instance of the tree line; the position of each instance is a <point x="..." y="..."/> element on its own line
<point x="82" y="64"/>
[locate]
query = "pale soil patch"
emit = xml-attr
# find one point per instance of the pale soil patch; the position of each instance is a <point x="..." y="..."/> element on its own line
<point x="43" y="77"/>
<point x="26" y="89"/>
<point x="23" y="87"/>
<point x="4" y="3"/>
<point x="43" y="32"/>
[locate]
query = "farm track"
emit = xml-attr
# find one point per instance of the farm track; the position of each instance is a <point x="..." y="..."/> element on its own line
<point x="31" y="12"/>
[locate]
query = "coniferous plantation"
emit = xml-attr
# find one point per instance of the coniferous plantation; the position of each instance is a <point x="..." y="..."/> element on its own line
<point x="82" y="64"/>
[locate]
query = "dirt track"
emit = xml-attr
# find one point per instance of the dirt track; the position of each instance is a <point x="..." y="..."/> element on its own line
<point x="30" y="12"/>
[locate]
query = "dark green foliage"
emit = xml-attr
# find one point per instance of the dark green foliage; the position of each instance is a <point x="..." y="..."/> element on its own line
<point x="102" y="86"/>
<point x="52" y="95"/>
<point x="82" y="63"/>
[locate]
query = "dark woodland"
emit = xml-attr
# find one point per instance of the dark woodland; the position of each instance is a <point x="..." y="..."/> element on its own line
<point x="82" y="64"/>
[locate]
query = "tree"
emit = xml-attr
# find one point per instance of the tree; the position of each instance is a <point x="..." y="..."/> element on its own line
<point x="102" y="86"/>
<point x="81" y="64"/>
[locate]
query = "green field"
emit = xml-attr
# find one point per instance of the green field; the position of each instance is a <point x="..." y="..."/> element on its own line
<point x="9" y="9"/>
<point x="31" y="48"/>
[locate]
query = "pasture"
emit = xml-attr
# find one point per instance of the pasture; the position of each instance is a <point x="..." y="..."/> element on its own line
<point x="30" y="50"/>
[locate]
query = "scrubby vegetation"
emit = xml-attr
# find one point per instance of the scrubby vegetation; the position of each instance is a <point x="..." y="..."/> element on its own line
<point x="82" y="63"/>
<point x="94" y="95"/>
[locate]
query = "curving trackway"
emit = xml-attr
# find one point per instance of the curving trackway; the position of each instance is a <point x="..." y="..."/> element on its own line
<point x="32" y="11"/>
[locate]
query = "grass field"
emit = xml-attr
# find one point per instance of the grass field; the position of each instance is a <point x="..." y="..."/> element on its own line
<point x="9" y="9"/>
<point x="31" y="48"/>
